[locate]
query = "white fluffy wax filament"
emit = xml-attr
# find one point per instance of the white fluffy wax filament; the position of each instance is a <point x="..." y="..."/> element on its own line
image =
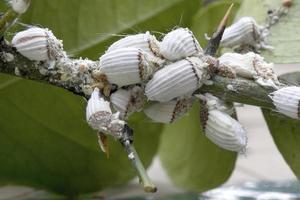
<point x="126" y="141"/>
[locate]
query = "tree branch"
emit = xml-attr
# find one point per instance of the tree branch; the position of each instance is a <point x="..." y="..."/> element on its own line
<point x="240" y="90"/>
<point x="75" y="75"/>
<point x="80" y="79"/>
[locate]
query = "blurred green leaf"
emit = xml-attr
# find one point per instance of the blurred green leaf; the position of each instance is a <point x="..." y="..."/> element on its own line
<point x="46" y="143"/>
<point x="207" y="19"/>
<point x="88" y="27"/>
<point x="285" y="131"/>
<point x="284" y="36"/>
<point x="192" y="161"/>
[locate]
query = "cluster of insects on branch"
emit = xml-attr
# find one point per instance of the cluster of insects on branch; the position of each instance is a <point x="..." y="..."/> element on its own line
<point x="139" y="73"/>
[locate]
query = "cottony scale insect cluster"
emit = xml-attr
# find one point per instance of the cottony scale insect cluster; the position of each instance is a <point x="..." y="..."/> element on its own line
<point x="163" y="79"/>
<point x="167" y="73"/>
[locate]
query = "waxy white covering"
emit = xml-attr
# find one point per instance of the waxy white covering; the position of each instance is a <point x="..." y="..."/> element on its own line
<point x="38" y="44"/>
<point x="225" y="131"/>
<point x="125" y="66"/>
<point x="97" y="104"/>
<point x="287" y="101"/>
<point x="220" y="127"/>
<point x="100" y="117"/>
<point x="168" y="112"/>
<point x="251" y="66"/>
<point x="144" y="41"/>
<point x="176" y="80"/>
<point x="178" y="44"/>
<point x="244" y="31"/>
<point x="128" y="101"/>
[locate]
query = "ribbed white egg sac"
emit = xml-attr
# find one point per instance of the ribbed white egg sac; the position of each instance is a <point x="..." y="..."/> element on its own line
<point x="225" y="131"/>
<point x="178" y="44"/>
<point x="38" y="44"/>
<point x="287" y="101"/>
<point x="178" y="79"/>
<point x="144" y="41"/>
<point x="125" y="66"/>
<point x="169" y="112"/>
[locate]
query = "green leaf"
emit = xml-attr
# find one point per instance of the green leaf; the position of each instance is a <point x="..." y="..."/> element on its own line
<point x="46" y="143"/>
<point x="284" y="36"/>
<point x="192" y="161"/>
<point x="88" y="27"/>
<point x="285" y="131"/>
<point x="207" y="19"/>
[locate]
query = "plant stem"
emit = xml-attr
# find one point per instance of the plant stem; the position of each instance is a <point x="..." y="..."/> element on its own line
<point x="245" y="91"/>
<point x="137" y="164"/>
<point x="240" y="90"/>
<point x="7" y="20"/>
<point x="48" y="72"/>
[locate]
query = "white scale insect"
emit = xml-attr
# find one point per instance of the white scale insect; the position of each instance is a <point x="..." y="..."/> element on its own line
<point x="99" y="116"/>
<point x="250" y="66"/>
<point x="287" y="101"/>
<point x="128" y="101"/>
<point x="176" y="80"/>
<point x="144" y="41"/>
<point x="169" y="112"/>
<point x="178" y="44"/>
<point x="38" y="44"/>
<point x="139" y="59"/>
<point x="219" y="126"/>
<point x="245" y="32"/>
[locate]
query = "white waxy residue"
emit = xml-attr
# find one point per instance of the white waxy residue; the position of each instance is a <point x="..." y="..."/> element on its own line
<point x="126" y="66"/>
<point x="219" y="126"/>
<point x="128" y="101"/>
<point x="178" y="44"/>
<point x="144" y="41"/>
<point x="245" y="32"/>
<point x="38" y="44"/>
<point x="178" y="79"/>
<point x="168" y="112"/>
<point x="251" y="66"/>
<point x="100" y="117"/>
<point x="287" y="101"/>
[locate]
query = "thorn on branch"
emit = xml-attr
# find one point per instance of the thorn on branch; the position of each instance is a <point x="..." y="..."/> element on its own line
<point x="214" y="41"/>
